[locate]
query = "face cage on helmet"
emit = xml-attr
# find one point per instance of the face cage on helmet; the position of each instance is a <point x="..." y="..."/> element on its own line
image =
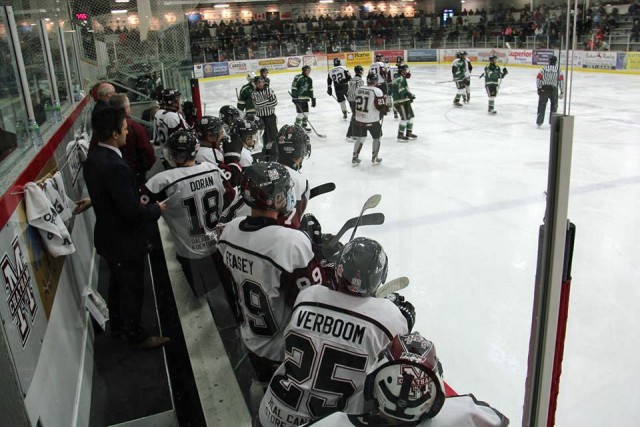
<point x="427" y="406"/>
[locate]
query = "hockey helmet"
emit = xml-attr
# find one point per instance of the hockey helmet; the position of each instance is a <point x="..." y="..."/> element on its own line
<point x="336" y="62"/>
<point x="404" y="70"/>
<point x="251" y="77"/>
<point x="208" y="124"/>
<point x="306" y="68"/>
<point x="293" y="143"/>
<point x="406" y="380"/>
<point x="379" y="57"/>
<point x="372" y="78"/>
<point x="181" y="147"/>
<point x="258" y="80"/>
<point x="267" y="186"/>
<point x="245" y="130"/>
<point x="553" y="60"/>
<point x="189" y="110"/>
<point x="170" y="98"/>
<point x="399" y="59"/>
<point x="264" y="71"/>
<point x="358" y="70"/>
<point x="493" y="58"/>
<point x="361" y="267"/>
<point x="228" y="113"/>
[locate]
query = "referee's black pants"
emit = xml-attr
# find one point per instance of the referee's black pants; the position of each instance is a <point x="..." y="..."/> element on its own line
<point x="547" y="93"/>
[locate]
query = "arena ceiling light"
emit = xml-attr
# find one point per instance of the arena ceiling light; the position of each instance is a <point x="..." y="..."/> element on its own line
<point x="123" y="1"/>
<point x="326" y="1"/>
<point x="119" y="11"/>
<point x="220" y="6"/>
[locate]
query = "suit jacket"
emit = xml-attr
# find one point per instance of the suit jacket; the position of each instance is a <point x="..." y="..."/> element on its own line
<point x="120" y="232"/>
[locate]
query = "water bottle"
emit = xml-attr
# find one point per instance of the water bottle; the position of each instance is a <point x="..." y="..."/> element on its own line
<point x="22" y="134"/>
<point x="57" y="111"/>
<point x="48" y="111"/>
<point x="34" y="131"/>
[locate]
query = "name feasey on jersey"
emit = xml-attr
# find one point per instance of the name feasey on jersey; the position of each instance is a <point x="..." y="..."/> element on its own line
<point x="239" y="263"/>
<point x="329" y="325"/>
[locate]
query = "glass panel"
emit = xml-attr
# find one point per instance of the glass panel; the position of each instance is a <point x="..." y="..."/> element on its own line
<point x="13" y="115"/>
<point x="56" y="54"/>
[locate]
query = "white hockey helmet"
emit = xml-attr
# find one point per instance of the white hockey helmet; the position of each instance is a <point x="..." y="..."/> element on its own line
<point x="251" y="77"/>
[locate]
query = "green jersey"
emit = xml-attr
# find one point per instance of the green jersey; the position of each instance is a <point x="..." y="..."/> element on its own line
<point x="458" y="69"/>
<point x="492" y="74"/>
<point x="400" y="90"/>
<point x="302" y="87"/>
<point x="245" y="102"/>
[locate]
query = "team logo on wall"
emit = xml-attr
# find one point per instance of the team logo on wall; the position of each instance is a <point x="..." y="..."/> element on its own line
<point x="19" y="289"/>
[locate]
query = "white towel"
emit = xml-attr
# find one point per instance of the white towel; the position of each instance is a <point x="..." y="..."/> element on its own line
<point x="67" y="203"/>
<point x="42" y="215"/>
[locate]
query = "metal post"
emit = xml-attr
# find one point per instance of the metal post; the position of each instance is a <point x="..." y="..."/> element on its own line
<point x="546" y="309"/>
<point x="164" y="76"/>
<point x="65" y="65"/>
<point x="628" y="41"/>
<point x="17" y="53"/>
<point x="74" y="40"/>
<point x="115" y="52"/>
<point x="48" y="59"/>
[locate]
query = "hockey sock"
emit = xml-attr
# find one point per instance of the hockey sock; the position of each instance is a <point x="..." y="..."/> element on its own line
<point x="305" y="120"/>
<point x="491" y="104"/>
<point x="457" y="98"/>
<point x="357" y="146"/>
<point x="409" y="125"/>
<point x="376" y="147"/>
<point x="343" y="105"/>
<point x="402" y="127"/>
<point x="299" y="118"/>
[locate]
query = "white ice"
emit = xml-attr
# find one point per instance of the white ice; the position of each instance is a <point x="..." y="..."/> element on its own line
<point x="463" y="204"/>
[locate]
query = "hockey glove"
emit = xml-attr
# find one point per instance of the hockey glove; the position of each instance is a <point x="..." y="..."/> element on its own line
<point x="329" y="91"/>
<point x="232" y="147"/>
<point x="313" y="102"/>
<point x="406" y="308"/>
<point x="540" y="91"/>
<point x="412" y="96"/>
<point x="504" y="71"/>
<point x="310" y="225"/>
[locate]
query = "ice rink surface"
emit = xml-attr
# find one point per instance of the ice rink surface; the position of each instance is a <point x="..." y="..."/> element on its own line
<point x="463" y="204"/>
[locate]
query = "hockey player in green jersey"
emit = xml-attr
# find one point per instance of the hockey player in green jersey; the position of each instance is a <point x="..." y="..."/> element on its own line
<point x="301" y="93"/>
<point x="245" y="102"/>
<point x="492" y="77"/>
<point x="458" y="69"/>
<point x="402" y="100"/>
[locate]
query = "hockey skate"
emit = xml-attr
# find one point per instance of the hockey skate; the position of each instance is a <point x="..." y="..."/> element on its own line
<point x="375" y="160"/>
<point x="457" y="103"/>
<point x="355" y="161"/>
<point x="464" y="99"/>
<point x="395" y="114"/>
<point x="411" y="135"/>
<point x="492" y="111"/>
<point x="306" y="127"/>
<point x="401" y="137"/>
<point x="344" y="115"/>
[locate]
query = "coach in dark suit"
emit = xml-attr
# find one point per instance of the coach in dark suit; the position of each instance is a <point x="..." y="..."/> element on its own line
<point x="120" y="232"/>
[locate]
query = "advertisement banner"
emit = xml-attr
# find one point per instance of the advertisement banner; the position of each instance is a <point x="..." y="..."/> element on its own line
<point x="215" y="69"/>
<point x="599" y="60"/>
<point x="449" y="55"/>
<point x="484" y="54"/>
<point x="332" y="56"/>
<point x="273" y="64"/>
<point x="521" y="56"/>
<point x="391" y="55"/>
<point x="365" y="59"/>
<point x="310" y="60"/>
<point x="238" y="67"/>
<point x="629" y="61"/>
<point x="422" y="55"/>
<point x="294" y="62"/>
<point x="541" y="56"/>
<point x="198" y="73"/>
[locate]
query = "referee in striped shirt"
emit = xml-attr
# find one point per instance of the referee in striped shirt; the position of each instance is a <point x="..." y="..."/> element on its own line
<point x="550" y="81"/>
<point x="265" y="102"/>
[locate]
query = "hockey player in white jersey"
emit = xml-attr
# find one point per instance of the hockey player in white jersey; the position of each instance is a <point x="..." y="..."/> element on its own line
<point x="293" y="147"/>
<point x="195" y="196"/>
<point x="354" y="84"/>
<point x="406" y="387"/>
<point x="333" y="338"/>
<point x="339" y="77"/>
<point x="211" y="133"/>
<point x="467" y="77"/>
<point x="169" y="118"/>
<point x="266" y="264"/>
<point x="244" y="132"/>
<point x="371" y="106"/>
<point x="381" y="71"/>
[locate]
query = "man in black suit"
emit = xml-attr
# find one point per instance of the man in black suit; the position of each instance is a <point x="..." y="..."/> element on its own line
<point x="120" y="230"/>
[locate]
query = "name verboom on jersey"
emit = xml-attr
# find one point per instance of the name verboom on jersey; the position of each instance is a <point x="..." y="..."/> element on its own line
<point x="329" y="325"/>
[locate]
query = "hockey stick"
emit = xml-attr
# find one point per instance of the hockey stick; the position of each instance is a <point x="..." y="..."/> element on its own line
<point x="314" y="129"/>
<point x="371" y="202"/>
<point x="369" y="219"/>
<point x="394" y="285"/>
<point x="322" y="189"/>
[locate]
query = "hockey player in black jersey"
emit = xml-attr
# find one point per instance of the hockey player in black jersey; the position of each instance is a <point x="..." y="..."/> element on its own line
<point x="405" y="384"/>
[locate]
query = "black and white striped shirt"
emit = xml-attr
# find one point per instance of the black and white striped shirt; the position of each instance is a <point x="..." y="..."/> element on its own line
<point x="354" y="84"/>
<point x="550" y="75"/>
<point x="265" y="101"/>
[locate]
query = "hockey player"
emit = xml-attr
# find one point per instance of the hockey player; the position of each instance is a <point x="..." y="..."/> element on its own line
<point x="301" y="93"/>
<point x="492" y="76"/>
<point x="169" y="118"/>
<point x="458" y="69"/>
<point x="339" y="76"/>
<point x="293" y="148"/>
<point x="405" y="384"/>
<point x="245" y="100"/>
<point x="354" y="84"/>
<point x="402" y="100"/>
<point x="211" y="133"/>
<point x="371" y="106"/>
<point x="393" y="72"/>
<point x="467" y="77"/>
<point x="228" y="113"/>
<point x="195" y="196"/>
<point x="550" y="83"/>
<point x="265" y="102"/>
<point x="243" y="137"/>
<point x="333" y="338"/>
<point x="267" y="265"/>
<point x="381" y="71"/>
<point x="264" y="73"/>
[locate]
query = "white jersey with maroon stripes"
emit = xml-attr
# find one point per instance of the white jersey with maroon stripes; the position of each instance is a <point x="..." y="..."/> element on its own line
<point x="338" y="76"/>
<point x="368" y="101"/>
<point x="166" y="123"/>
<point x="457" y="411"/>
<point x="209" y="154"/>
<point x="194" y="197"/>
<point x="380" y="70"/>
<point x="269" y="265"/>
<point x="330" y="343"/>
